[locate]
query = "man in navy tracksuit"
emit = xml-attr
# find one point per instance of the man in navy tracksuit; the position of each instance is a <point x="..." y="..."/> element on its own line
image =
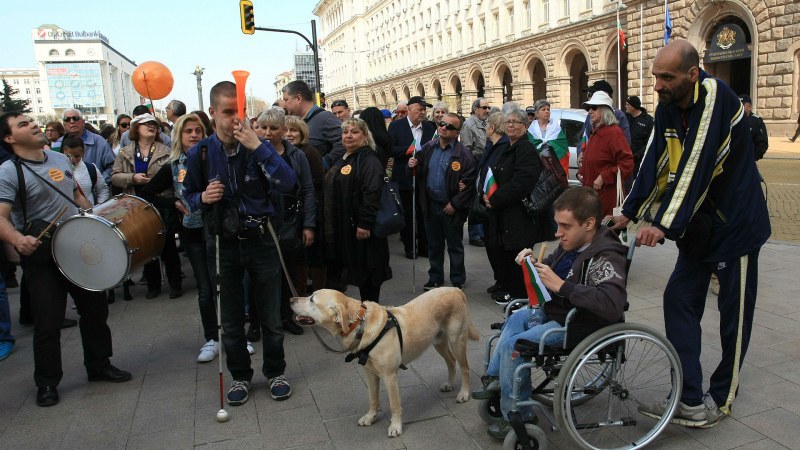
<point x="701" y="160"/>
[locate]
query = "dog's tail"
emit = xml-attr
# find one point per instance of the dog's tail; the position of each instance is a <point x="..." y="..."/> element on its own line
<point x="473" y="332"/>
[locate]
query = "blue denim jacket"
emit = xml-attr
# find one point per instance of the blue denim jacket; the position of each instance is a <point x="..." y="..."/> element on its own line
<point x="195" y="217"/>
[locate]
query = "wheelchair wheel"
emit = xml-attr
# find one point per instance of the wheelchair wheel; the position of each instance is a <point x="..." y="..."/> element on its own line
<point x="536" y="439"/>
<point x="643" y="368"/>
<point x="489" y="408"/>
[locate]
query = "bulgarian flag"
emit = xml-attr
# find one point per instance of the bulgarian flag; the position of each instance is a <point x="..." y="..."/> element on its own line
<point x="411" y="148"/>
<point x="558" y="146"/>
<point x="623" y="42"/>
<point x="490" y="184"/>
<point x="537" y="293"/>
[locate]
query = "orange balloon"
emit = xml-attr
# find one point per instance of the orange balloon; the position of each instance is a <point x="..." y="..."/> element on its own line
<point x="152" y="80"/>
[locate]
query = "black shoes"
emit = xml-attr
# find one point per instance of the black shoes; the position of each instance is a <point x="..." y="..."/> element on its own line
<point x="175" y="292"/>
<point x="47" y="396"/>
<point x="254" y="333"/>
<point x="68" y="323"/>
<point x="292" y="327"/>
<point x="494" y="288"/>
<point x="152" y="293"/>
<point x="112" y="374"/>
<point x="430" y="285"/>
<point x="459" y="285"/>
<point x="476" y="243"/>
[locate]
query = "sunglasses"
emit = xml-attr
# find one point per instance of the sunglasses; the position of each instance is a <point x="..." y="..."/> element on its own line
<point x="72" y="119"/>
<point x="447" y="126"/>
<point x="484" y="107"/>
<point x="124" y="124"/>
<point x="338" y="103"/>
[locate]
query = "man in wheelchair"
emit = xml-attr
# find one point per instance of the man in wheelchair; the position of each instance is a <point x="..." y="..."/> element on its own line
<point x="586" y="271"/>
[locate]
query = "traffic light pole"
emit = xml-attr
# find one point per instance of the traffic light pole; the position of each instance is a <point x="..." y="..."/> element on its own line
<point x="313" y="46"/>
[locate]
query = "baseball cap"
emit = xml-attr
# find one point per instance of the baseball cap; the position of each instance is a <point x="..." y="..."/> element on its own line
<point x="530" y="110"/>
<point x="418" y="100"/>
<point x="600" y="85"/>
<point x="386" y="113"/>
<point x="745" y="99"/>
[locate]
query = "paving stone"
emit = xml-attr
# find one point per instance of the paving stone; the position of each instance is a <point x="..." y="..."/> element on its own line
<point x="181" y="438"/>
<point x="778" y="424"/>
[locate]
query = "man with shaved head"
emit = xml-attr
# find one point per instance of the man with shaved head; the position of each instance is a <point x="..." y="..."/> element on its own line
<point x="700" y="163"/>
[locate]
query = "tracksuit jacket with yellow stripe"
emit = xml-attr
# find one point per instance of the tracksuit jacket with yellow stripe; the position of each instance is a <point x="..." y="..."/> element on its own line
<point x="702" y="157"/>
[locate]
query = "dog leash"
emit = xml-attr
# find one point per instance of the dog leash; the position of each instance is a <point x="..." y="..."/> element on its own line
<point x="294" y="293"/>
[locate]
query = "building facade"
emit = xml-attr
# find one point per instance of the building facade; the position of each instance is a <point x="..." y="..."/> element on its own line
<point x="281" y="80"/>
<point x="26" y="82"/>
<point x="81" y="70"/>
<point x="523" y="50"/>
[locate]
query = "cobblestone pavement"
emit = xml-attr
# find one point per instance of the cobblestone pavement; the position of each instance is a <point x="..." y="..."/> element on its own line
<point x="783" y="197"/>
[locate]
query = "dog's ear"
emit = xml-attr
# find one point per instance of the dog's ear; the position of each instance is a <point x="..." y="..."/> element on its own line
<point x="342" y="314"/>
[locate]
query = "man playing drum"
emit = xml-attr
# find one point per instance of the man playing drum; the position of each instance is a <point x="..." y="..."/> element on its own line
<point x="26" y="215"/>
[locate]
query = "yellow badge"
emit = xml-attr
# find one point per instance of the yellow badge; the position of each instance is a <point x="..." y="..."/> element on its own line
<point x="346" y="170"/>
<point x="181" y="175"/>
<point x="55" y="174"/>
<point x="456" y="166"/>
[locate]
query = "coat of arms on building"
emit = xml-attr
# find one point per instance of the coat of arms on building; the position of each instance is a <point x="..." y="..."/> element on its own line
<point x="726" y="38"/>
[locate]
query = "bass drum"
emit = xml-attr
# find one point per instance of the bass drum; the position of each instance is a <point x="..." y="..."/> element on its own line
<point x="99" y="250"/>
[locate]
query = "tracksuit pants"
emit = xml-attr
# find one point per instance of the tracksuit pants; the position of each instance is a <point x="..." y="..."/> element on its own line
<point x="684" y="303"/>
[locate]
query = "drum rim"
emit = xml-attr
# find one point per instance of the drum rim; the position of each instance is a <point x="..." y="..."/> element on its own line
<point x="112" y="225"/>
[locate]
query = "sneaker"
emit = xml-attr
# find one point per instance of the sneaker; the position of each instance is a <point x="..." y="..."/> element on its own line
<point x="209" y="351"/>
<point x="494" y="288"/>
<point x="704" y="415"/>
<point x="279" y="388"/>
<point x="714" y="284"/>
<point x="5" y="349"/>
<point x="238" y="393"/>
<point x="431" y="285"/>
<point x="504" y="300"/>
<point x="476" y="243"/>
<point x="500" y="429"/>
<point x="459" y="285"/>
<point x="250" y="348"/>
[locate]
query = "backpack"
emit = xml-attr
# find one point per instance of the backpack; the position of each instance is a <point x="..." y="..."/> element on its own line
<point x="92" y="172"/>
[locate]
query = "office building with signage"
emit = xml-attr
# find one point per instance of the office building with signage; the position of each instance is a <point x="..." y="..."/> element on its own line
<point x="28" y="86"/>
<point x="80" y="69"/>
<point x="523" y="50"/>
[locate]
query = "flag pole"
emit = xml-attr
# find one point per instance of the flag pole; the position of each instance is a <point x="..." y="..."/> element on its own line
<point x="414" y="228"/>
<point x="619" y="63"/>
<point x="641" y="50"/>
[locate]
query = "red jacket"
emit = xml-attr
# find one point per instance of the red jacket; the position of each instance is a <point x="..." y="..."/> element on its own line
<point x="606" y="151"/>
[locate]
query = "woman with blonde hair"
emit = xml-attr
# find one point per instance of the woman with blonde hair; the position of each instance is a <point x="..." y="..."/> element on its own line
<point x="352" y="193"/>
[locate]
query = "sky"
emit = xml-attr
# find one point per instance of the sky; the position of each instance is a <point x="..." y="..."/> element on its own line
<point x="180" y="34"/>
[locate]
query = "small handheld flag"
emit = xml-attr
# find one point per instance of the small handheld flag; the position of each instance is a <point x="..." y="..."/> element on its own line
<point x="667" y="24"/>
<point x="490" y="184"/>
<point x="537" y="293"/>
<point x="411" y="148"/>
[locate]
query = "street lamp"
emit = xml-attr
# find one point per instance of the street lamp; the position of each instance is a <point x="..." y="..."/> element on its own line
<point x="198" y="72"/>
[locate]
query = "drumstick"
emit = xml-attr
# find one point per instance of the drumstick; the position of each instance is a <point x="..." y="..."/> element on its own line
<point x="39" y="238"/>
<point x="541" y="251"/>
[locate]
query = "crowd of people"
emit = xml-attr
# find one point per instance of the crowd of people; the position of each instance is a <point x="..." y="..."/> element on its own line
<point x="314" y="178"/>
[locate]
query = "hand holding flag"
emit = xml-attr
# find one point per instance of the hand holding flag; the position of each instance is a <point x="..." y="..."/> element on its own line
<point x="489" y="184"/>
<point x="537" y="292"/>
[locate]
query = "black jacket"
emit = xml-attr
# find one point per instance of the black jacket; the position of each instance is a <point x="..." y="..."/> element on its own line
<point x="595" y="284"/>
<point x="401" y="137"/>
<point x="516" y="172"/>
<point x="758" y="132"/>
<point x="460" y="168"/>
<point x="641" y="126"/>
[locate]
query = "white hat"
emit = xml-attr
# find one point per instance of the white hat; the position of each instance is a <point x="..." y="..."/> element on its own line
<point x="599" y="98"/>
<point x="144" y="118"/>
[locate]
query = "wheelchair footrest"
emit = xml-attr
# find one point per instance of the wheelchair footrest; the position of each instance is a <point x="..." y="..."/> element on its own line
<point x="496" y="326"/>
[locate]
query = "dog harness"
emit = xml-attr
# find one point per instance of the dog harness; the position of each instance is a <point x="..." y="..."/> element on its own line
<point x="363" y="354"/>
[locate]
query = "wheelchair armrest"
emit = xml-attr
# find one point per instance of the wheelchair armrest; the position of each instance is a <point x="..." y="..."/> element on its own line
<point x="496" y="326"/>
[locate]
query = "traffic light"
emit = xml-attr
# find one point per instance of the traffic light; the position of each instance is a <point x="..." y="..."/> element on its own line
<point x="248" y="18"/>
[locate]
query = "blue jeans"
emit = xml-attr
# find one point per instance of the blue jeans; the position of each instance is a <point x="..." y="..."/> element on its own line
<point x="196" y="253"/>
<point x="259" y="258"/>
<point x="442" y="229"/>
<point x="5" y="314"/>
<point x="504" y="361"/>
<point x="475" y="231"/>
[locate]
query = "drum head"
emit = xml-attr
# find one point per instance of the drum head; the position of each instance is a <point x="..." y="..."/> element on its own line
<point x="90" y="252"/>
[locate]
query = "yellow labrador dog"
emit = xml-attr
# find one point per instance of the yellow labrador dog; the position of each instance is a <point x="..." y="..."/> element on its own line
<point x="439" y="317"/>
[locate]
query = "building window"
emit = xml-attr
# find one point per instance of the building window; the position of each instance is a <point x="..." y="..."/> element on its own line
<point x="69" y="52"/>
<point x="41" y="110"/>
<point x="588" y="5"/>
<point x="526" y="23"/>
<point x="16" y="81"/>
<point x="54" y="52"/>
<point x="27" y="81"/>
<point x="38" y="91"/>
<point x="510" y="20"/>
<point x="565" y="8"/>
<point x="496" y="25"/>
<point x="38" y="100"/>
<point x="545" y="11"/>
<point x="28" y="91"/>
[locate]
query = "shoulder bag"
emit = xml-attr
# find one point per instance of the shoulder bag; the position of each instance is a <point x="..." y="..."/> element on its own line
<point x="552" y="183"/>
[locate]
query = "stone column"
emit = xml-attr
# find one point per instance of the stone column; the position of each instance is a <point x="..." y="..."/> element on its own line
<point x="558" y="91"/>
<point x="523" y="93"/>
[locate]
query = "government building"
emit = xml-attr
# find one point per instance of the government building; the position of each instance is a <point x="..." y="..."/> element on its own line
<point x="379" y="52"/>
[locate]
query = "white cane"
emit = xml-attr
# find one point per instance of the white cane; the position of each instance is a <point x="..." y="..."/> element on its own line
<point x="414" y="227"/>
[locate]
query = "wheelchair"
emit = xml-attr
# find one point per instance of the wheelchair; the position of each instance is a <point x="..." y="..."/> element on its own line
<point x="594" y="384"/>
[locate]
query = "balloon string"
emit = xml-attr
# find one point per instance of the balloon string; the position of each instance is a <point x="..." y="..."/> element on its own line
<point x="147" y="87"/>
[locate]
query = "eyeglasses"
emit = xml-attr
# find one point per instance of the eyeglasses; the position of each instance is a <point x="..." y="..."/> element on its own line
<point x="447" y="126"/>
<point x="49" y="130"/>
<point x="72" y="119"/>
<point x="338" y="103"/>
<point x="124" y="124"/>
<point x="514" y="122"/>
<point x="484" y="107"/>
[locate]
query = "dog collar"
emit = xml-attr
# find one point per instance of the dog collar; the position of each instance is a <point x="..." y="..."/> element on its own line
<point x="358" y="323"/>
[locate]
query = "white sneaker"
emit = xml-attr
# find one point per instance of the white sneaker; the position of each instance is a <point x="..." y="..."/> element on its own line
<point x="714" y="284"/>
<point x="250" y="348"/>
<point x="209" y="351"/>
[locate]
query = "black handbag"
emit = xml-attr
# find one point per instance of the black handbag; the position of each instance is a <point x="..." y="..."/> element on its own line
<point x="390" y="218"/>
<point x="551" y="184"/>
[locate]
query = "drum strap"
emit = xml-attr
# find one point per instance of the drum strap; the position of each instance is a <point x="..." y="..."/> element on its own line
<point x="21" y="177"/>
